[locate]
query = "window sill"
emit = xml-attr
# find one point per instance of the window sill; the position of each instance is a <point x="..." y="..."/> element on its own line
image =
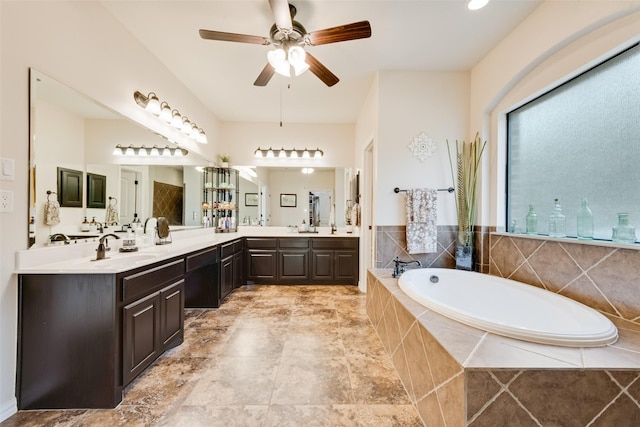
<point x="595" y="242"/>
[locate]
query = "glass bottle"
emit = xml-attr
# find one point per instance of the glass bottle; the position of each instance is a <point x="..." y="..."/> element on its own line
<point x="585" y="221"/>
<point x="557" y="221"/>
<point x="623" y="232"/>
<point x="532" y="221"/>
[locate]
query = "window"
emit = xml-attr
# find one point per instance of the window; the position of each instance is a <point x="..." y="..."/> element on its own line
<point x="581" y="139"/>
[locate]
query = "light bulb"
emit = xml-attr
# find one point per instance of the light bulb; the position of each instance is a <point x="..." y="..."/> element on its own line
<point x="118" y="150"/>
<point x="258" y="153"/>
<point x="305" y="154"/>
<point x="317" y="154"/>
<point x="154" y="151"/>
<point x="176" y="120"/>
<point x="153" y="104"/>
<point x="270" y="153"/>
<point x="282" y="154"/>
<point x="165" y="112"/>
<point x="477" y="4"/>
<point x="129" y="151"/>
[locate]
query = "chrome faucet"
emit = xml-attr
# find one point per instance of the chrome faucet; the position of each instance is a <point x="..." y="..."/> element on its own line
<point x="103" y="246"/>
<point x="59" y="237"/>
<point x="400" y="266"/>
<point x="100" y="227"/>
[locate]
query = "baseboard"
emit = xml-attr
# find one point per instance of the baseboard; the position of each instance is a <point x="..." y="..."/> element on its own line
<point x="8" y="408"/>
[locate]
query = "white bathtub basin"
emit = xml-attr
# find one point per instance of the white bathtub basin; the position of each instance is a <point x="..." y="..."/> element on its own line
<point x="508" y="308"/>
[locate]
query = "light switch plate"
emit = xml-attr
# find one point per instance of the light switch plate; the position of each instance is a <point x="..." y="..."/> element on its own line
<point x="7" y="169"/>
<point x="6" y="201"/>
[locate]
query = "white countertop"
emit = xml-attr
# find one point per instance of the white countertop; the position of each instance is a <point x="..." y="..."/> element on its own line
<point x="80" y="258"/>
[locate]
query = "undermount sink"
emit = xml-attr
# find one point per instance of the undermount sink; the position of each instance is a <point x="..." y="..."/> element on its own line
<point x="125" y="260"/>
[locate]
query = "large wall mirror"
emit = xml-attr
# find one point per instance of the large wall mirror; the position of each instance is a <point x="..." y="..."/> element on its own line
<point x="71" y="132"/>
<point x="323" y="196"/>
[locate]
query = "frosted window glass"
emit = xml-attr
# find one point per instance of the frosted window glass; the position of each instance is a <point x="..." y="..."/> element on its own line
<point x="582" y="139"/>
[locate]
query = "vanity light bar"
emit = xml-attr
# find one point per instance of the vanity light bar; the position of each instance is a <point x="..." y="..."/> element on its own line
<point x="282" y="153"/>
<point x="154" y="151"/>
<point x="152" y="104"/>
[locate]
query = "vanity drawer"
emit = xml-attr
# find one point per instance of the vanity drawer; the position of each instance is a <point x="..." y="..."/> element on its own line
<point x="294" y="242"/>
<point x="258" y="243"/>
<point x="335" y="243"/>
<point x="202" y="258"/>
<point x="140" y="284"/>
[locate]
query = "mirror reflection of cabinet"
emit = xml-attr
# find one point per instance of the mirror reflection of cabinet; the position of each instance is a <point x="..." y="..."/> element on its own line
<point x="220" y="196"/>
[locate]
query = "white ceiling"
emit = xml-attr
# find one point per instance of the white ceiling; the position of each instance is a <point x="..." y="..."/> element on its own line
<point x="409" y="35"/>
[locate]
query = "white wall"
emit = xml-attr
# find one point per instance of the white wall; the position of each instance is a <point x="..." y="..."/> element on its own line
<point x="412" y="102"/>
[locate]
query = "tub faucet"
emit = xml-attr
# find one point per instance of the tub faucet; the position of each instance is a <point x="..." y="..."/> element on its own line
<point x="103" y="246"/>
<point x="399" y="266"/>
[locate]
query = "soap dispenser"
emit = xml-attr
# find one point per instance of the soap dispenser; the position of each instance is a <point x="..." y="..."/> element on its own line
<point x="85" y="225"/>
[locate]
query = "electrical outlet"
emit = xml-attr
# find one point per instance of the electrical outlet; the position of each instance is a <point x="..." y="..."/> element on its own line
<point x="6" y="201"/>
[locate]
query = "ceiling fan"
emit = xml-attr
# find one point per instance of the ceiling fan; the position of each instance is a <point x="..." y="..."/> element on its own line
<point x="289" y="38"/>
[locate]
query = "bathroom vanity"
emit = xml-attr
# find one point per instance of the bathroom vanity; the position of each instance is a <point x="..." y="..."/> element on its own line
<point x="88" y="328"/>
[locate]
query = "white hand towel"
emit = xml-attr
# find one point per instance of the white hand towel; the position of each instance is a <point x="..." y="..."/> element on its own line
<point x="422" y="221"/>
<point x="111" y="216"/>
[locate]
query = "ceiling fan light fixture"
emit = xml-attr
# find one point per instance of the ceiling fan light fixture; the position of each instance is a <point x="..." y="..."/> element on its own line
<point x="477" y="4"/>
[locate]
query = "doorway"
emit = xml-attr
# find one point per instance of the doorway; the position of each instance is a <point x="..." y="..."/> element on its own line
<point x="367" y="204"/>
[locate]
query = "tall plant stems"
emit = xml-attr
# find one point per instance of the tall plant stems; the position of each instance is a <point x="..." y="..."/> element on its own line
<point x="468" y="156"/>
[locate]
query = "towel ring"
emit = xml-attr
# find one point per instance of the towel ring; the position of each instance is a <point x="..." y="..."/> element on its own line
<point x="49" y="193"/>
<point x="114" y="200"/>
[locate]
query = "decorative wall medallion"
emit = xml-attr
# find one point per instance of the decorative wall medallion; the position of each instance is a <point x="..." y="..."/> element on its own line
<point x="422" y="146"/>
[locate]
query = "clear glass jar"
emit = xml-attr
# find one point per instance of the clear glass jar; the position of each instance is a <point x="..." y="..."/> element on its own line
<point x="585" y="221"/>
<point x="532" y="221"/>
<point x="557" y="221"/>
<point x="623" y="232"/>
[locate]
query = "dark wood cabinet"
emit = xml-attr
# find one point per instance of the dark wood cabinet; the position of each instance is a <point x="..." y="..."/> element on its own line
<point x="334" y="260"/>
<point x="322" y="264"/>
<point x="302" y="260"/>
<point x="83" y="337"/>
<point x="141" y="335"/>
<point x="202" y="284"/>
<point x="231" y="267"/>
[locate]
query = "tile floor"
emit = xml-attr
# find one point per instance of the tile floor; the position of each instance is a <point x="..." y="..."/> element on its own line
<point x="270" y="356"/>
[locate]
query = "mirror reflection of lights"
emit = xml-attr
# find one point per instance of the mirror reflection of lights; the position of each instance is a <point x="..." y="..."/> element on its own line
<point x="142" y="151"/>
<point x="307" y="171"/>
<point x="284" y="153"/>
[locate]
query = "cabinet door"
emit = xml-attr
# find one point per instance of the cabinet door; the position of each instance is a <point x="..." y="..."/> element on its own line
<point x="142" y="342"/>
<point x="226" y="276"/>
<point x="262" y="266"/>
<point x="172" y="314"/>
<point x="346" y="265"/>
<point x="238" y="270"/>
<point x="293" y="265"/>
<point x="322" y="265"/>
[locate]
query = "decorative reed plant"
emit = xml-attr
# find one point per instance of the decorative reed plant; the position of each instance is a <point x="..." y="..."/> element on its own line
<point x="465" y="177"/>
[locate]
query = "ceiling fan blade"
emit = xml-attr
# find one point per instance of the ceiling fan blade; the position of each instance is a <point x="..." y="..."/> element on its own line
<point x="265" y="75"/>
<point x="356" y="30"/>
<point x="281" y="14"/>
<point x="233" y="37"/>
<point x="321" y="71"/>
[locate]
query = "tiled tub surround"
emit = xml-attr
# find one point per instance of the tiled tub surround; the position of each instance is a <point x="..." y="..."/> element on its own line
<point x="391" y="241"/>
<point x="603" y="276"/>
<point x="457" y="375"/>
